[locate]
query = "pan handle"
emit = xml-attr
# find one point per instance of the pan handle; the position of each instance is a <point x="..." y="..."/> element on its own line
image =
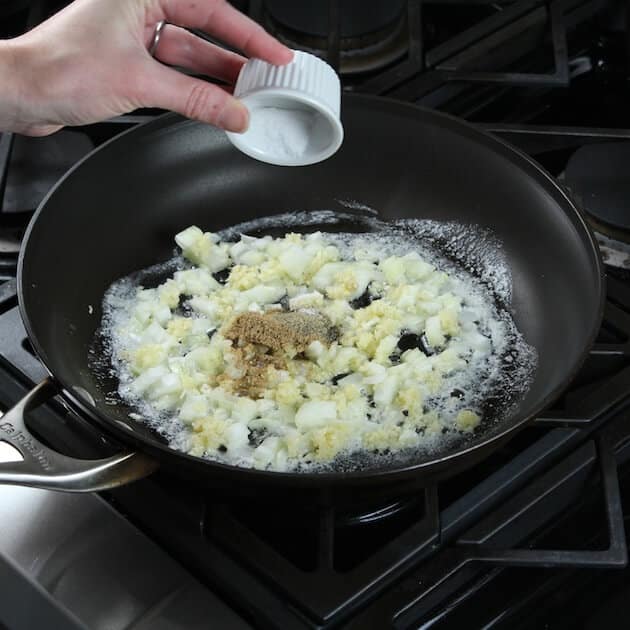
<point x="42" y="467"/>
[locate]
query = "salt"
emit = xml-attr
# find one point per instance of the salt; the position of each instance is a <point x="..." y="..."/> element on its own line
<point x="283" y="133"/>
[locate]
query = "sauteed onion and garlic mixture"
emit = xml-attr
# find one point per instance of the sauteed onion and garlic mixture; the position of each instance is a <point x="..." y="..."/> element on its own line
<point x="294" y="352"/>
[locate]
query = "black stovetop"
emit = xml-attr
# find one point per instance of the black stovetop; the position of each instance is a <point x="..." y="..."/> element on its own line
<point x="533" y="536"/>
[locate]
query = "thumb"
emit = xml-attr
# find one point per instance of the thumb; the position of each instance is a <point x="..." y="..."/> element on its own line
<point x="166" y="88"/>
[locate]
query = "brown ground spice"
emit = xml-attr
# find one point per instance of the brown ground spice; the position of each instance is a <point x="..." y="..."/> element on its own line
<point x="263" y="340"/>
<point x="279" y="330"/>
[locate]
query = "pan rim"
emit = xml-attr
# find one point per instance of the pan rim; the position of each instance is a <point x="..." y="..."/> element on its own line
<point x="391" y="473"/>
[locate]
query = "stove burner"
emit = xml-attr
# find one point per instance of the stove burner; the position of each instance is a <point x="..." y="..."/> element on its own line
<point x="371" y="35"/>
<point x="597" y="176"/>
<point x="356" y="18"/>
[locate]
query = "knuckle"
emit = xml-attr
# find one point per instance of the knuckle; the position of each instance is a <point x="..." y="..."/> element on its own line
<point x="215" y="5"/>
<point x="198" y="104"/>
<point x="249" y="39"/>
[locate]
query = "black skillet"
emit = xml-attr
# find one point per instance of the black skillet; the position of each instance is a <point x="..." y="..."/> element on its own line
<point x="117" y="212"/>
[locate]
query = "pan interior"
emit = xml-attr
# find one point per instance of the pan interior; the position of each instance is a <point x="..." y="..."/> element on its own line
<point x="118" y="210"/>
<point x="464" y="251"/>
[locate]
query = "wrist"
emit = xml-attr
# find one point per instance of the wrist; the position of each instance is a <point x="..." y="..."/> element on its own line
<point x="10" y="90"/>
<point x="23" y="87"/>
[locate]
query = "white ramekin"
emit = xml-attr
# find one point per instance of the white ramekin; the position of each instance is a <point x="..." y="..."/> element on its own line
<point x="306" y="83"/>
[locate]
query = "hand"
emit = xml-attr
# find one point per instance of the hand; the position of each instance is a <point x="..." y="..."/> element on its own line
<point x="90" y="62"/>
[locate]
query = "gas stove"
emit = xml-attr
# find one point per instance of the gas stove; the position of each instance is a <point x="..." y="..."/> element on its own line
<point x="532" y="537"/>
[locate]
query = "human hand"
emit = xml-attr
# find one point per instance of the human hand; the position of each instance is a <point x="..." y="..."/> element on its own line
<point x="90" y="62"/>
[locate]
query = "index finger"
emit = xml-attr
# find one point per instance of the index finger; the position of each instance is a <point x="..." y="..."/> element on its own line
<point x="219" y="18"/>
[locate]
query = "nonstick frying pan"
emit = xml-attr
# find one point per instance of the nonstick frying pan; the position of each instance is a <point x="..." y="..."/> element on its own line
<point x="118" y="210"/>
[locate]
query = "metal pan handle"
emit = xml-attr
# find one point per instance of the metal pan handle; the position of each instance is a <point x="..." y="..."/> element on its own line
<point x="42" y="467"/>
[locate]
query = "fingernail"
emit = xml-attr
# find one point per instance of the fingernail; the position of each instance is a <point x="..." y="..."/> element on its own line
<point x="288" y="55"/>
<point x="234" y="117"/>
